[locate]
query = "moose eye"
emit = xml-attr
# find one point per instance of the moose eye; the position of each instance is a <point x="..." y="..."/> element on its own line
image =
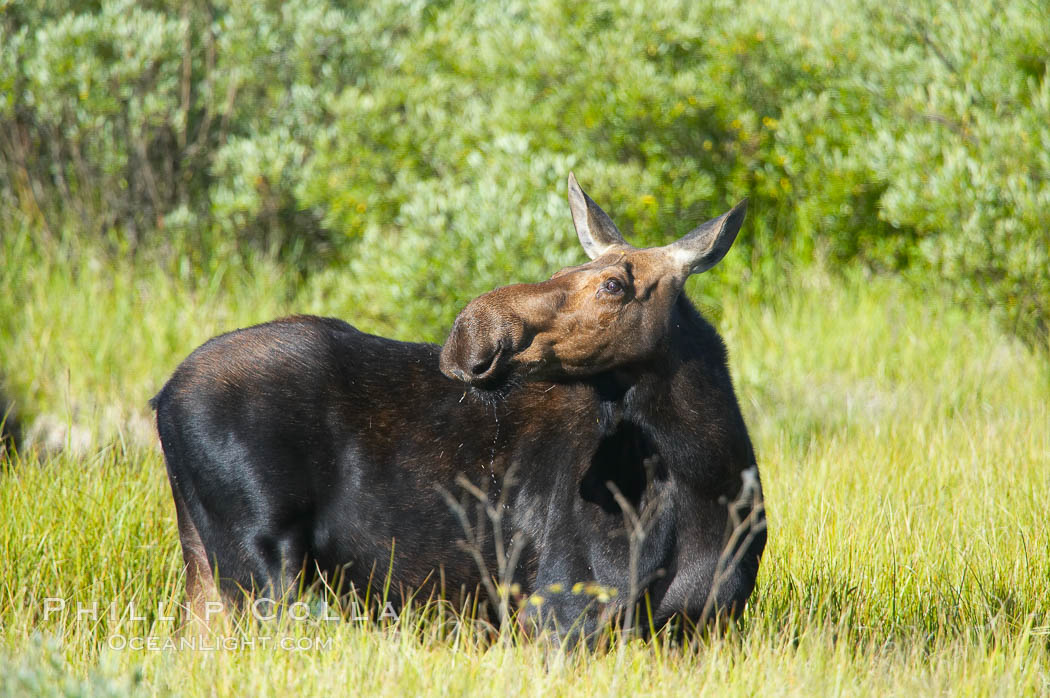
<point x="613" y="287"/>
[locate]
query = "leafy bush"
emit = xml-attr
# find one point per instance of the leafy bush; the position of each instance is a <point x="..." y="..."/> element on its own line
<point x="938" y="124"/>
<point x="419" y="145"/>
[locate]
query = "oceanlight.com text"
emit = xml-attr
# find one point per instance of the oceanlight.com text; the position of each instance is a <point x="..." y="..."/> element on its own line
<point x="203" y="643"/>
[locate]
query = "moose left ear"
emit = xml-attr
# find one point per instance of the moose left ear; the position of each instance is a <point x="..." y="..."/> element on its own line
<point x="595" y="229"/>
<point x="707" y="244"/>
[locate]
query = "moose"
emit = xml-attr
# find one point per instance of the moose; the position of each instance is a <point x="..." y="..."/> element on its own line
<point x="595" y="409"/>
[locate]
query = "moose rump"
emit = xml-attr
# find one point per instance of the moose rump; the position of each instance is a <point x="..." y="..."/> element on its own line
<point x="594" y="411"/>
<point x="286" y="452"/>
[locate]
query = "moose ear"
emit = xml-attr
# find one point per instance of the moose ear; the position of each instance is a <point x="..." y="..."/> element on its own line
<point x="595" y="229"/>
<point x="705" y="246"/>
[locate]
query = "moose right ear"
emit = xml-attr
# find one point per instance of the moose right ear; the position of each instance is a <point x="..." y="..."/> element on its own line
<point x="595" y="229"/>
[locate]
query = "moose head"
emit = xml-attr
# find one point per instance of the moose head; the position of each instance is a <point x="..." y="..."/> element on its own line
<point x="611" y="312"/>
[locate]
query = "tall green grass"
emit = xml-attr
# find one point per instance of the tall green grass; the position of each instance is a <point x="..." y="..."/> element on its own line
<point x="904" y="445"/>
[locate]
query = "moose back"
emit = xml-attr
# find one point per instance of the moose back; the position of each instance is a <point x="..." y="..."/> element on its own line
<point x="304" y="446"/>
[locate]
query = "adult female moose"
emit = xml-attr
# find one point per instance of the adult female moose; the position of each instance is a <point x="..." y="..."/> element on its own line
<point x="303" y="445"/>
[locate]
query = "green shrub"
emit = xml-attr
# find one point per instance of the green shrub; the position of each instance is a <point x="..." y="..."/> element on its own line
<point x="415" y="145"/>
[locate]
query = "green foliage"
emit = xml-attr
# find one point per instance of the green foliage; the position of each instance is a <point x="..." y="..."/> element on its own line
<point x="938" y="124"/>
<point x="419" y="145"/>
<point x="41" y="670"/>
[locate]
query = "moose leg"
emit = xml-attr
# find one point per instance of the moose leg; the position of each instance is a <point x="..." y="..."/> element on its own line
<point x="201" y="593"/>
<point x="274" y="561"/>
<point x="716" y="586"/>
<point x="581" y="590"/>
<point x="561" y="606"/>
<point x="257" y="560"/>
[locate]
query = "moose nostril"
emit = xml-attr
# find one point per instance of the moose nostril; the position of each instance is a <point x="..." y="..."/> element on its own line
<point x="486" y="364"/>
<point x="482" y="366"/>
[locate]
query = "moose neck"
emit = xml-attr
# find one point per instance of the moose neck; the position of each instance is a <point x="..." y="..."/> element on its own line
<point x="632" y="392"/>
<point x="687" y="368"/>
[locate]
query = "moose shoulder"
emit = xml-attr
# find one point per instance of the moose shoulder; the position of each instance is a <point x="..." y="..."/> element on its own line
<point x="303" y="446"/>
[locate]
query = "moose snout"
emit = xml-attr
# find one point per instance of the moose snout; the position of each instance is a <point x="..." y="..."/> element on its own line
<point x="478" y="348"/>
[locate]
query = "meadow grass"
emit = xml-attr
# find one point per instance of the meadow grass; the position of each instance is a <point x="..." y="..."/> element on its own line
<point x="904" y="446"/>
